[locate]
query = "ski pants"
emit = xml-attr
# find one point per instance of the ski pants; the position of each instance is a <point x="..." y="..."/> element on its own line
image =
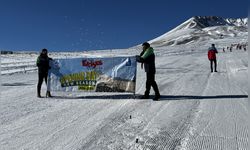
<point x="215" y="64"/>
<point x="41" y="76"/>
<point x="151" y="82"/>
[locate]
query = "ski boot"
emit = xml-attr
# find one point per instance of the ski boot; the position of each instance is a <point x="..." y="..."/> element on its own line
<point x="39" y="95"/>
<point x="157" y="97"/>
<point x="48" y="94"/>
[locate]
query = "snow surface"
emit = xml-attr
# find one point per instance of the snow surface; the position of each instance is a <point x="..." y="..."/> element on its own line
<point x="198" y="110"/>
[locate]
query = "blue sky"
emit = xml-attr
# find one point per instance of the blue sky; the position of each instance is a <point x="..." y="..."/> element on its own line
<point x="70" y="25"/>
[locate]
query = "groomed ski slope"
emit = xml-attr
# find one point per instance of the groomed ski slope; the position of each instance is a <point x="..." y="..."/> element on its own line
<point x="198" y="110"/>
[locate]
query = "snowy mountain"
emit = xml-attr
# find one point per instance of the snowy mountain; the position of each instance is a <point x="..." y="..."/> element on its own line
<point x="198" y="29"/>
<point x="198" y="110"/>
<point x="200" y="22"/>
<point x="238" y="22"/>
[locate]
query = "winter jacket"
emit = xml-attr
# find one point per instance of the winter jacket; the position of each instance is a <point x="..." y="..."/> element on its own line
<point x="212" y="53"/>
<point x="43" y="63"/>
<point x="148" y="58"/>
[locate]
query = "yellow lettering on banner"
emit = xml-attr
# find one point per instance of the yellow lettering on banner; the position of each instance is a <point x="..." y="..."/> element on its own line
<point x="92" y="75"/>
<point x="67" y="78"/>
<point x="72" y="77"/>
<point x="63" y="79"/>
<point x="85" y="88"/>
<point x="76" y="77"/>
<point x="81" y="76"/>
<point x="88" y="75"/>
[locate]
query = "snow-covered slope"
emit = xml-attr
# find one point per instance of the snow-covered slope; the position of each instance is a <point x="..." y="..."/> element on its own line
<point x="198" y="110"/>
<point x="198" y="29"/>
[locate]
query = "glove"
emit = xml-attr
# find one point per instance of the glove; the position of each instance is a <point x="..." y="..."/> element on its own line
<point x="138" y="58"/>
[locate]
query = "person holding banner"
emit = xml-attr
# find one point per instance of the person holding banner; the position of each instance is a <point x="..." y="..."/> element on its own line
<point x="147" y="57"/>
<point x="43" y="68"/>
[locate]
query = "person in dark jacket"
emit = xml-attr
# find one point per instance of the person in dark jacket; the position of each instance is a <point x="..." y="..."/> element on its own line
<point x="43" y="68"/>
<point x="212" y="57"/>
<point x="147" y="57"/>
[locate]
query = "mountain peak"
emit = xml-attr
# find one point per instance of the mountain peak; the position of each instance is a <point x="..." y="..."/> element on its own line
<point x="200" y="22"/>
<point x="203" y="28"/>
<point x="209" y="21"/>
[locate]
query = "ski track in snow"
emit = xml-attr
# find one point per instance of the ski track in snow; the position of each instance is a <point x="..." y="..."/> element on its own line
<point x="198" y="110"/>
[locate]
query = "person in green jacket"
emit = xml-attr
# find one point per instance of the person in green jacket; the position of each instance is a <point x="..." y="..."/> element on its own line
<point x="147" y="57"/>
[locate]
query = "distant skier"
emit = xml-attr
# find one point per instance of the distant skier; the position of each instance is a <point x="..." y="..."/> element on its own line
<point x="240" y="46"/>
<point x="212" y="57"/>
<point x="147" y="57"/>
<point x="245" y="48"/>
<point x="43" y="68"/>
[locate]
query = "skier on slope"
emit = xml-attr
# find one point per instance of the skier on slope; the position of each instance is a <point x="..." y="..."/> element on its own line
<point x="43" y="68"/>
<point x="147" y="57"/>
<point x="212" y="57"/>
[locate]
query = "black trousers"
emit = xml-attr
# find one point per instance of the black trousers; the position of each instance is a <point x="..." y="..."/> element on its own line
<point x="41" y="76"/>
<point x="215" y="64"/>
<point x="151" y="82"/>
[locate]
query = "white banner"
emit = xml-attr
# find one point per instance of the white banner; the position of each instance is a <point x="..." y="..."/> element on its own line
<point x="115" y="74"/>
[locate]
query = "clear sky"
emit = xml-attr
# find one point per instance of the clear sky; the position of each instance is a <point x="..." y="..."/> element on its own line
<point x="70" y="25"/>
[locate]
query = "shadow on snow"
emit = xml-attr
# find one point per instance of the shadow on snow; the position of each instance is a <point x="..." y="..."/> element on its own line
<point x="163" y="97"/>
<point x="192" y="97"/>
